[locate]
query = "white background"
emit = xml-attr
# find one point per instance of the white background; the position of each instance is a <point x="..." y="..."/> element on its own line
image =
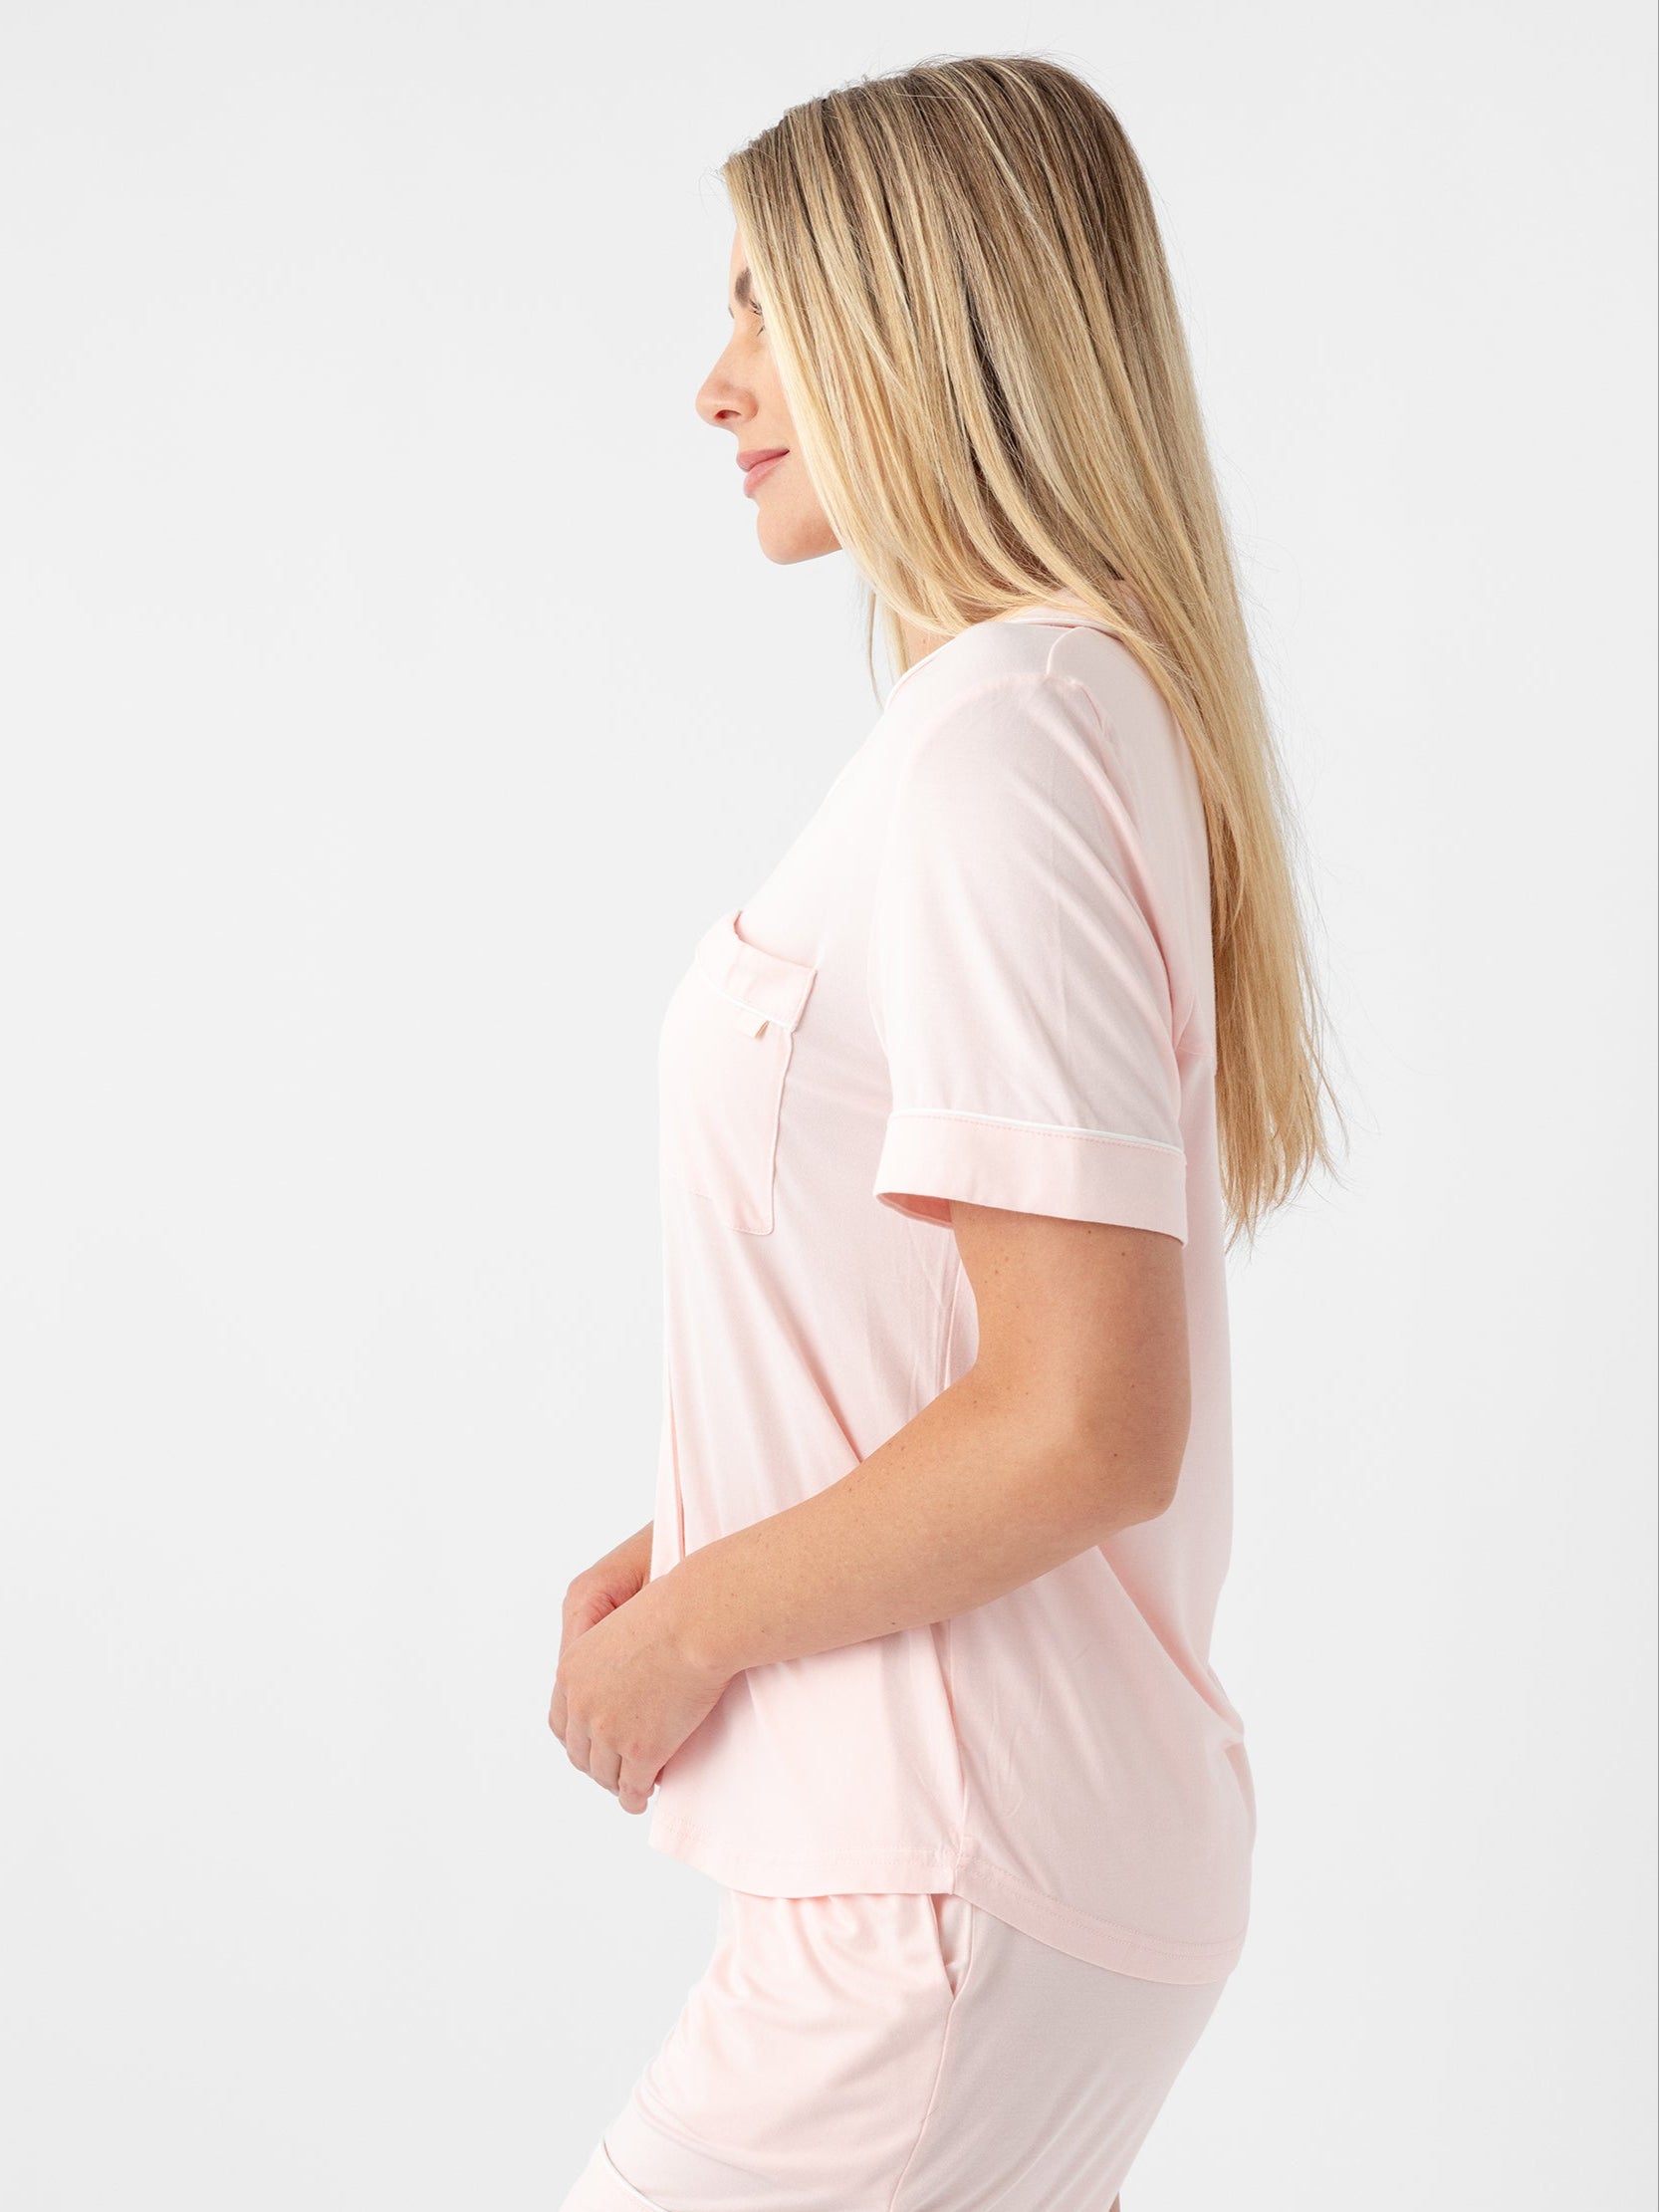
<point x="392" y="687"/>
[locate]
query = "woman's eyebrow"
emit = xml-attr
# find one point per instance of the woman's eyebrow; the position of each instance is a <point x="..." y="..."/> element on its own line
<point x="744" y="291"/>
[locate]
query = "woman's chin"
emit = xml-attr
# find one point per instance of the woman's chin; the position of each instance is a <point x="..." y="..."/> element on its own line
<point x="787" y="539"/>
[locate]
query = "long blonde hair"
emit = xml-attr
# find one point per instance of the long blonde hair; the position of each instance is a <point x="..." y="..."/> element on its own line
<point x="977" y="337"/>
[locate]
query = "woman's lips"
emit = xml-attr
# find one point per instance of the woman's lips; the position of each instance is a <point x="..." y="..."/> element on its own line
<point x="762" y="468"/>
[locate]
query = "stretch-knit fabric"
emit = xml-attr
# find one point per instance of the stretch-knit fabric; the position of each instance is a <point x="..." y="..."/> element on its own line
<point x="894" y="2052"/>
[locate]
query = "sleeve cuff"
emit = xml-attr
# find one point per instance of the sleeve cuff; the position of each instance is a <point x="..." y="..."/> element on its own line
<point x="930" y="1156"/>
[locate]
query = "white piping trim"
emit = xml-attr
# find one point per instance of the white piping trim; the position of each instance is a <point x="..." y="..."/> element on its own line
<point x="613" y="2174"/>
<point x="748" y="1005"/>
<point x="1049" y="1128"/>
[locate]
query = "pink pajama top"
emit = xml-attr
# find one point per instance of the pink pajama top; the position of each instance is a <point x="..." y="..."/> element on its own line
<point x="982" y="971"/>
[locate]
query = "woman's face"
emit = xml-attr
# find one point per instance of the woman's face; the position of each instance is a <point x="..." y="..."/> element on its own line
<point x="742" y="394"/>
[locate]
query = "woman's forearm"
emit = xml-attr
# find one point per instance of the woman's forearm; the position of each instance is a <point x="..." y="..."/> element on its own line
<point x="971" y="1499"/>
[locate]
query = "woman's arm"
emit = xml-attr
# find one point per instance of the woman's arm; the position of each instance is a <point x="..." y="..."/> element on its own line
<point x="1071" y="1423"/>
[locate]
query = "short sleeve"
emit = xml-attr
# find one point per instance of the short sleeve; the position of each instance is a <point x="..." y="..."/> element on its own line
<point x="1017" y="979"/>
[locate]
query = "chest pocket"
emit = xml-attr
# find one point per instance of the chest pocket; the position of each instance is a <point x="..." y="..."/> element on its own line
<point x="722" y="1062"/>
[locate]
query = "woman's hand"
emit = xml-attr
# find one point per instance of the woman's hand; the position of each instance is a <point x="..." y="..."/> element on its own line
<point x="607" y="1584"/>
<point x="629" y="1691"/>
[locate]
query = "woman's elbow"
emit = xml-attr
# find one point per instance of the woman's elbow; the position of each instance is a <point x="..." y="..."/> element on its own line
<point x="1129" y="1454"/>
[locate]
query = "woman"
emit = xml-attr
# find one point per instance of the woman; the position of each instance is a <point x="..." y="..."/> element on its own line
<point x="960" y="1110"/>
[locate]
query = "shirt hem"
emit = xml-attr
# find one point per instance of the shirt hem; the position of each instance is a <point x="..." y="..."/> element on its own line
<point x="961" y="1869"/>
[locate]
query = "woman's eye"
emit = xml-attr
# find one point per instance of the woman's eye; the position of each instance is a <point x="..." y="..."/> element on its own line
<point x="756" y="310"/>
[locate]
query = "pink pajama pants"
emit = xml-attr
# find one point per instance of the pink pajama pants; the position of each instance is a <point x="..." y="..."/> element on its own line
<point x="888" y="2053"/>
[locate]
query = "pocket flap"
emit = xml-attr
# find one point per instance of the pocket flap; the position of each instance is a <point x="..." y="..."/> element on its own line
<point x="765" y="985"/>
